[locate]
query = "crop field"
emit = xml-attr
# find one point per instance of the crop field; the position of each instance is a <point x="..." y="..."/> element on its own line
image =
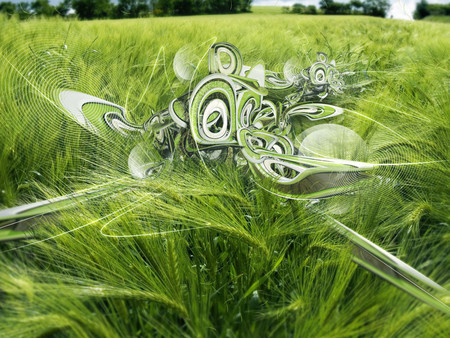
<point x="202" y="250"/>
<point x="444" y="19"/>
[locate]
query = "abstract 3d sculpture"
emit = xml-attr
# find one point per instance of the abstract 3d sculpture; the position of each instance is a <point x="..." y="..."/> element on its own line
<point x="246" y="113"/>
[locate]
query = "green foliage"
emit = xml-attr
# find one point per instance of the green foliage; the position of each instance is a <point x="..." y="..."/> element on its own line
<point x="330" y="7"/>
<point x="421" y="10"/>
<point x="189" y="7"/>
<point x="298" y="8"/>
<point x="367" y="7"/>
<point x="325" y="3"/>
<point x="84" y="9"/>
<point x="337" y="8"/>
<point x="424" y="9"/>
<point x="93" y="9"/>
<point x="311" y="9"/>
<point x="88" y="10"/>
<point x="241" y="261"/>
<point x="64" y="7"/>
<point x="26" y="9"/>
<point x="184" y="7"/>
<point x="356" y="4"/>
<point x="132" y="9"/>
<point x="376" y="7"/>
<point x="302" y="9"/>
<point x="439" y="9"/>
<point x="8" y="8"/>
<point x="42" y="7"/>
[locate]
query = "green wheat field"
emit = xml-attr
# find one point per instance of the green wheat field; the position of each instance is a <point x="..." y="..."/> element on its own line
<point x="228" y="258"/>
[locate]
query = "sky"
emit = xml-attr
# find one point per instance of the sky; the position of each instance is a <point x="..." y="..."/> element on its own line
<point x="400" y="9"/>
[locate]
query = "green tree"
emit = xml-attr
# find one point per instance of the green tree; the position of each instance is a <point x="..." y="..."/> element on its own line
<point x="439" y="9"/>
<point x="162" y="7"/>
<point x="311" y="10"/>
<point x="132" y="8"/>
<point x="64" y="7"/>
<point x="421" y="10"/>
<point x="356" y="6"/>
<point x="92" y="9"/>
<point x="42" y="7"/>
<point x="333" y="8"/>
<point x="376" y="7"/>
<point x="298" y="8"/>
<point x="183" y="7"/>
<point x="190" y="7"/>
<point x="324" y="4"/>
<point x="226" y="6"/>
<point x="24" y="10"/>
<point x="216" y="6"/>
<point x="8" y="8"/>
<point x="245" y="5"/>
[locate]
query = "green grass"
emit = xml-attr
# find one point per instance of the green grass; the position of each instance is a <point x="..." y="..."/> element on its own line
<point x="266" y="9"/>
<point x="251" y="264"/>
<point x="437" y="18"/>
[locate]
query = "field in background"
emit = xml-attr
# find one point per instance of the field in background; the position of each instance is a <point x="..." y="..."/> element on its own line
<point x="258" y="265"/>
<point x="436" y="18"/>
<point x="266" y="10"/>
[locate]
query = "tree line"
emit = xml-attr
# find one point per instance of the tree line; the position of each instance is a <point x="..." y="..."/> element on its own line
<point x="192" y="7"/>
<point x="95" y="9"/>
<point x="378" y="8"/>
<point x="424" y="9"/>
<point x="100" y="9"/>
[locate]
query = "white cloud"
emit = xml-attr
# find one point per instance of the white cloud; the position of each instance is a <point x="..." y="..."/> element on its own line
<point x="402" y="9"/>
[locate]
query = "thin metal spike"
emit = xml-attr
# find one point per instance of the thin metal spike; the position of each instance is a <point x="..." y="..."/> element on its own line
<point x="383" y="264"/>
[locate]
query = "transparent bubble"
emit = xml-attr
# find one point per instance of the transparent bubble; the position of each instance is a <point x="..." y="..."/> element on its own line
<point x="144" y="161"/>
<point x="336" y="205"/>
<point x="332" y="141"/>
<point x="185" y="62"/>
<point x="292" y="69"/>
